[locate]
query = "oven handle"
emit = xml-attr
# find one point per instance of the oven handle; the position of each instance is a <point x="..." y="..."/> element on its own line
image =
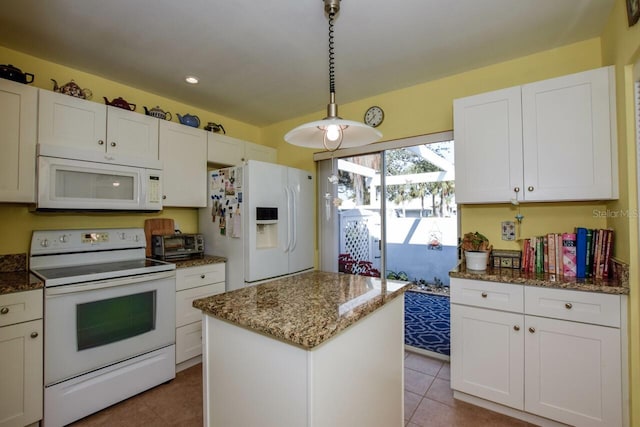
<point x="107" y="283"/>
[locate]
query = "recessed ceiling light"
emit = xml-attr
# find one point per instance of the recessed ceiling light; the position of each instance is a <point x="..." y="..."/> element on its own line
<point x="191" y="80"/>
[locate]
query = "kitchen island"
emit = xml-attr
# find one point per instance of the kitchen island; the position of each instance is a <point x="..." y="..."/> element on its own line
<point x="314" y="349"/>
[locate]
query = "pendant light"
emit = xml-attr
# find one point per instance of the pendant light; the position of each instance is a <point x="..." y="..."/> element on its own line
<point x="332" y="132"/>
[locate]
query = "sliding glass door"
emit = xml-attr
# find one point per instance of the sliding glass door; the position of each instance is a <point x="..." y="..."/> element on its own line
<point x="419" y="242"/>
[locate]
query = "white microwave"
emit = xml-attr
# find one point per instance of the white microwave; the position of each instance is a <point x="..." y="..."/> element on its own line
<point x="68" y="184"/>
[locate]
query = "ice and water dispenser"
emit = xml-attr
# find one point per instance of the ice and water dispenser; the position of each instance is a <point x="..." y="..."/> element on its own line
<point x="266" y="228"/>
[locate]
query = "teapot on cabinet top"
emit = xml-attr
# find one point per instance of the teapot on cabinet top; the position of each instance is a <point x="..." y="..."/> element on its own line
<point x="10" y="72"/>
<point x="158" y="113"/>
<point x="189" y="120"/>
<point x="120" y="103"/>
<point x="72" y="89"/>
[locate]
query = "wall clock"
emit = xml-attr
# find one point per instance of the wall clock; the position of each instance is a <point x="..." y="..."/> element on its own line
<point x="374" y="116"/>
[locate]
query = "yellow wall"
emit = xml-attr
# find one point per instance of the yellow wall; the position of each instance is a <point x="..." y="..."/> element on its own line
<point x="621" y="46"/>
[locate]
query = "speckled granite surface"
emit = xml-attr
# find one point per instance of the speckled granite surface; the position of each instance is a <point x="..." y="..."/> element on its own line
<point x="619" y="284"/>
<point x="13" y="262"/>
<point x="195" y="262"/>
<point x="304" y="310"/>
<point x="14" y="276"/>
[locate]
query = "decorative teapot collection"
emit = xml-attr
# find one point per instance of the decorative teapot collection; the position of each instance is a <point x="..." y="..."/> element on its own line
<point x="71" y="88"/>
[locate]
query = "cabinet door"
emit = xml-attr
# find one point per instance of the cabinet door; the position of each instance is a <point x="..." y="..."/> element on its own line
<point x="573" y="372"/>
<point x="185" y="312"/>
<point x="131" y="134"/>
<point x="569" y="137"/>
<point x="224" y="150"/>
<point x="487" y="354"/>
<point x="183" y="151"/>
<point x="71" y="122"/>
<point x="21" y="373"/>
<point x="18" y="121"/>
<point x="259" y="152"/>
<point x="488" y="146"/>
<point x="188" y="341"/>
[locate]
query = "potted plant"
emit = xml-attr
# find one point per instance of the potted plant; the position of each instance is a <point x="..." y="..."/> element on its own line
<point x="476" y="250"/>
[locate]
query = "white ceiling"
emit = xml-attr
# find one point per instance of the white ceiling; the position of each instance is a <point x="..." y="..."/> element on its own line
<point x="261" y="61"/>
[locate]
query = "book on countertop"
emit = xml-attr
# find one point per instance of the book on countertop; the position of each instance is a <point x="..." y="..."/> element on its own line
<point x="551" y="243"/>
<point x="581" y="252"/>
<point x="569" y="254"/>
<point x="588" y="270"/>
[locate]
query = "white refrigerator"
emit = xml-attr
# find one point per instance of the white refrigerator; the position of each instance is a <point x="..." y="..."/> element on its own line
<point x="260" y="217"/>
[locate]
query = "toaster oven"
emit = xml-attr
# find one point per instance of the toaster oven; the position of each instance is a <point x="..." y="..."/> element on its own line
<point x="177" y="246"/>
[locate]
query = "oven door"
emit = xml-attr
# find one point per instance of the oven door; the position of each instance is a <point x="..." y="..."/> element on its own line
<point x="95" y="324"/>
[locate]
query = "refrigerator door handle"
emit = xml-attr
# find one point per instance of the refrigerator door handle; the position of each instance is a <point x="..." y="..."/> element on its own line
<point x="294" y="223"/>
<point x="286" y="190"/>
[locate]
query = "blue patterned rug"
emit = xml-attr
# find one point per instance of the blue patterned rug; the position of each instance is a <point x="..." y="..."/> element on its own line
<point x="426" y="321"/>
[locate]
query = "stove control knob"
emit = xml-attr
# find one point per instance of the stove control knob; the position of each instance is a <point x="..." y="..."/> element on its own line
<point x="136" y="238"/>
<point x="63" y="238"/>
<point x="44" y="243"/>
<point x="123" y="236"/>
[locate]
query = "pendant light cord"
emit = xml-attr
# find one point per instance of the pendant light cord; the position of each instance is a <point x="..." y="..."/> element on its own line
<point x="332" y="84"/>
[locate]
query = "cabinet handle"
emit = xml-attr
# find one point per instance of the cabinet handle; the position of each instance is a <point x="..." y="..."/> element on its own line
<point x="568" y="306"/>
<point x="100" y="142"/>
<point x="516" y="328"/>
<point x="4" y="310"/>
<point x="34" y="335"/>
<point x="532" y="330"/>
<point x="516" y="189"/>
<point x="113" y="144"/>
<point x="202" y="276"/>
<point x="164" y="197"/>
<point x="484" y="295"/>
<point x="530" y="188"/>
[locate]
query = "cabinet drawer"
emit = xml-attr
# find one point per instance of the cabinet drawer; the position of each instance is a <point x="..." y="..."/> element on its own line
<point x="478" y="293"/>
<point x="20" y="307"/>
<point x="577" y="306"/>
<point x="188" y="341"/>
<point x="192" y="277"/>
<point x="185" y="313"/>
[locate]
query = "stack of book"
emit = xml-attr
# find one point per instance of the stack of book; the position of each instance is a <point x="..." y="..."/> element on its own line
<point x="586" y="253"/>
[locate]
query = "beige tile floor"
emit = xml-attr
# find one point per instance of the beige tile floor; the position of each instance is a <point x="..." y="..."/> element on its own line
<point x="428" y="402"/>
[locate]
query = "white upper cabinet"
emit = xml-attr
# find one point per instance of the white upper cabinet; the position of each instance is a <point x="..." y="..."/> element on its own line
<point x="91" y="127"/>
<point x="225" y="150"/>
<point x="553" y="140"/>
<point x="183" y="152"/>
<point x="18" y="121"/>
<point x="488" y="146"/>
<point x="131" y="134"/>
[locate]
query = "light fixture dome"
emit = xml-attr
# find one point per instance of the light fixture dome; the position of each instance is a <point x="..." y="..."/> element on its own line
<point x="332" y="132"/>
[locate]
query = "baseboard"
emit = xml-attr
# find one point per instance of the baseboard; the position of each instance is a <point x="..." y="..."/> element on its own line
<point x="427" y="353"/>
<point x="188" y="363"/>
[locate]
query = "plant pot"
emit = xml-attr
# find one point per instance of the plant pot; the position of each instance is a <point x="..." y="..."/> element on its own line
<point x="476" y="260"/>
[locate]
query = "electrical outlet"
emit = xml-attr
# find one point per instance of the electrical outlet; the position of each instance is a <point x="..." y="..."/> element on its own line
<point x="508" y="230"/>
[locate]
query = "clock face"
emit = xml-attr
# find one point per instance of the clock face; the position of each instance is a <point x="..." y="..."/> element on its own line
<point x="374" y="116"/>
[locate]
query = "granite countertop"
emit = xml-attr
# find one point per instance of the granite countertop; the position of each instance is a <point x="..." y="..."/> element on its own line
<point x="14" y="276"/>
<point x="195" y="262"/>
<point x="305" y="309"/>
<point x="618" y="284"/>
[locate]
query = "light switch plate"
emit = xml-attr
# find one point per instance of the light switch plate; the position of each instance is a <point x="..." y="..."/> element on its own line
<point x="508" y="230"/>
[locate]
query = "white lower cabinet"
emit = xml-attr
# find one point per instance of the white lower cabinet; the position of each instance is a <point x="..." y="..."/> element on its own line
<point x="539" y="360"/>
<point x="21" y="386"/>
<point x="193" y="283"/>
